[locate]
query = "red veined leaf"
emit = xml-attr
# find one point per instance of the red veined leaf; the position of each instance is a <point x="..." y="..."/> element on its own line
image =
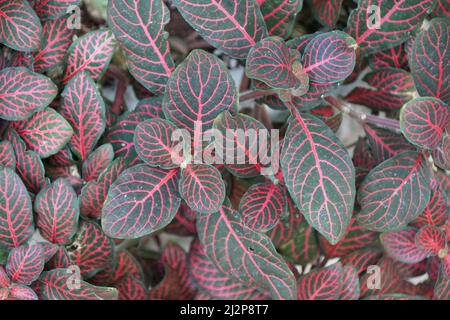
<point x="321" y="284"/>
<point x="280" y="15"/>
<point x="57" y="212"/>
<point x="183" y="223"/>
<point x="436" y="212"/>
<point x="16" y="141"/>
<point x="16" y="216"/>
<point x="362" y="259"/>
<point x="194" y="98"/>
<point x="224" y="238"/>
<point x="154" y="143"/>
<point x="214" y="282"/>
<point x="142" y="200"/>
<point x="60" y="259"/>
<point x="232" y="26"/>
<point x="329" y="57"/>
<point x="53" y="9"/>
<point x="327" y="11"/>
<point x="313" y="98"/>
<point x="408" y="270"/>
<point x="62" y="284"/>
<point x="91" y="250"/>
<point x="442" y="287"/>
<point x="249" y="157"/>
<point x="356" y="237"/>
<point x="401" y="245"/>
<point x="23" y="92"/>
<point x="262" y="206"/>
<point x="20" y="28"/>
<point x="300" y="43"/>
<point x="12" y="58"/>
<point x="97" y="162"/>
<point x="31" y="170"/>
<point x="394" y="193"/>
<point x="388" y="25"/>
<point x="384" y="143"/>
<point x="25" y="263"/>
<point x="350" y="284"/>
<point x="441" y="154"/>
<point x="278" y="66"/>
<point x="429" y="60"/>
<point x="5" y="282"/>
<point x="176" y="284"/>
<point x="131" y="288"/>
<point x="92" y="52"/>
<point x="362" y="155"/>
<point x="446" y="265"/>
<point x="150" y="108"/>
<point x="21" y="292"/>
<point x="62" y="158"/>
<point x="138" y="26"/>
<point x="432" y="241"/>
<point x="329" y="116"/>
<point x="84" y="109"/>
<point x="394" y="57"/>
<point x="7" y="154"/>
<point x="94" y="193"/>
<point x="389" y="89"/>
<point x="50" y="250"/>
<point x="312" y="152"/>
<point x="303" y="247"/>
<point x="394" y="297"/>
<point x="442" y="8"/>
<point x="423" y="121"/>
<point x="202" y="187"/>
<point x="56" y="40"/>
<point x="45" y="132"/>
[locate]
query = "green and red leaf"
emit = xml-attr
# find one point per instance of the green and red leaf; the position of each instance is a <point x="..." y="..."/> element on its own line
<point x="97" y="162"/>
<point x="7" y="154"/>
<point x="53" y="9"/>
<point x="401" y="245"/>
<point x="25" y="263"/>
<point x="436" y="213"/>
<point x="280" y="15"/>
<point x="327" y="11"/>
<point x="432" y="241"/>
<point x="321" y="284"/>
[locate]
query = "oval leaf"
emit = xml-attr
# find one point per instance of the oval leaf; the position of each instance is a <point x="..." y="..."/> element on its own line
<point x="25" y="263"/>
<point x="97" y="162"/>
<point x="432" y="241"/>
<point x="280" y="15"/>
<point x="321" y="284"/>
<point x="401" y="245"/>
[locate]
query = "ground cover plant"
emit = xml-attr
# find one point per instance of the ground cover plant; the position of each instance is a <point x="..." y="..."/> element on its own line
<point x="198" y="149"/>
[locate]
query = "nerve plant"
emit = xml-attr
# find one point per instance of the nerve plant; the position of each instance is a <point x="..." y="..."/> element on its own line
<point x="90" y="186"/>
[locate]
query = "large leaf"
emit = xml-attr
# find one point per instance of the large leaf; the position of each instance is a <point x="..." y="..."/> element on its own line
<point x="327" y="11"/>
<point x="432" y="241"/>
<point x="437" y="211"/>
<point x="45" y="132"/>
<point x="429" y="60"/>
<point x="57" y="212"/>
<point x="423" y="121"/>
<point x="321" y="284"/>
<point x="388" y="89"/>
<point x="16" y="216"/>
<point x="202" y="187"/>
<point x="329" y="57"/>
<point x="278" y="66"/>
<point x="84" y="109"/>
<point x="392" y="26"/>
<point x="319" y="175"/>
<point x="142" y="200"/>
<point x="244" y="254"/>
<point x="20" y="27"/>
<point x="23" y="92"/>
<point x="262" y="206"/>
<point x="53" y="9"/>
<point x="394" y="193"/>
<point x="56" y="39"/>
<point x="401" y="245"/>
<point x="25" y="263"/>
<point x="232" y="26"/>
<point x="138" y="26"/>
<point x="91" y="52"/>
<point x="394" y="57"/>
<point x="198" y="91"/>
<point x="280" y="15"/>
<point x="62" y="284"/>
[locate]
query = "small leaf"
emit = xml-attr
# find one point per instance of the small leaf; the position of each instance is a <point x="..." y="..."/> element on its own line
<point x="280" y="15"/>
<point x="321" y="284"/>
<point x="25" y="263"/>
<point x="394" y="57"/>
<point x="84" y="109"/>
<point x="319" y="175"/>
<point x="394" y="193"/>
<point x="436" y="213"/>
<point x="329" y="57"/>
<point x="432" y="241"/>
<point x="92" y="52"/>
<point x="57" y="212"/>
<point x="232" y="26"/>
<point x="327" y="11"/>
<point x="202" y="187"/>
<point x="262" y="206"/>
<point x="423" y="121"/>
<point x="24" y="92"/>
<point x="97" y="162"/>
<point x="138" y="26"/>
<point x="401" y="245"/>
<point x="16" y="216"/>
<point x="53" y="9"/>
<point x="142" y="200"/>
<point x="45" y="132"/>
<point x="21" y="292"/>
<point x="131" y="288"/>
<point x="20" y="28"/>
<point x="350" y="284"/>
<point x="7" y="154"/>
